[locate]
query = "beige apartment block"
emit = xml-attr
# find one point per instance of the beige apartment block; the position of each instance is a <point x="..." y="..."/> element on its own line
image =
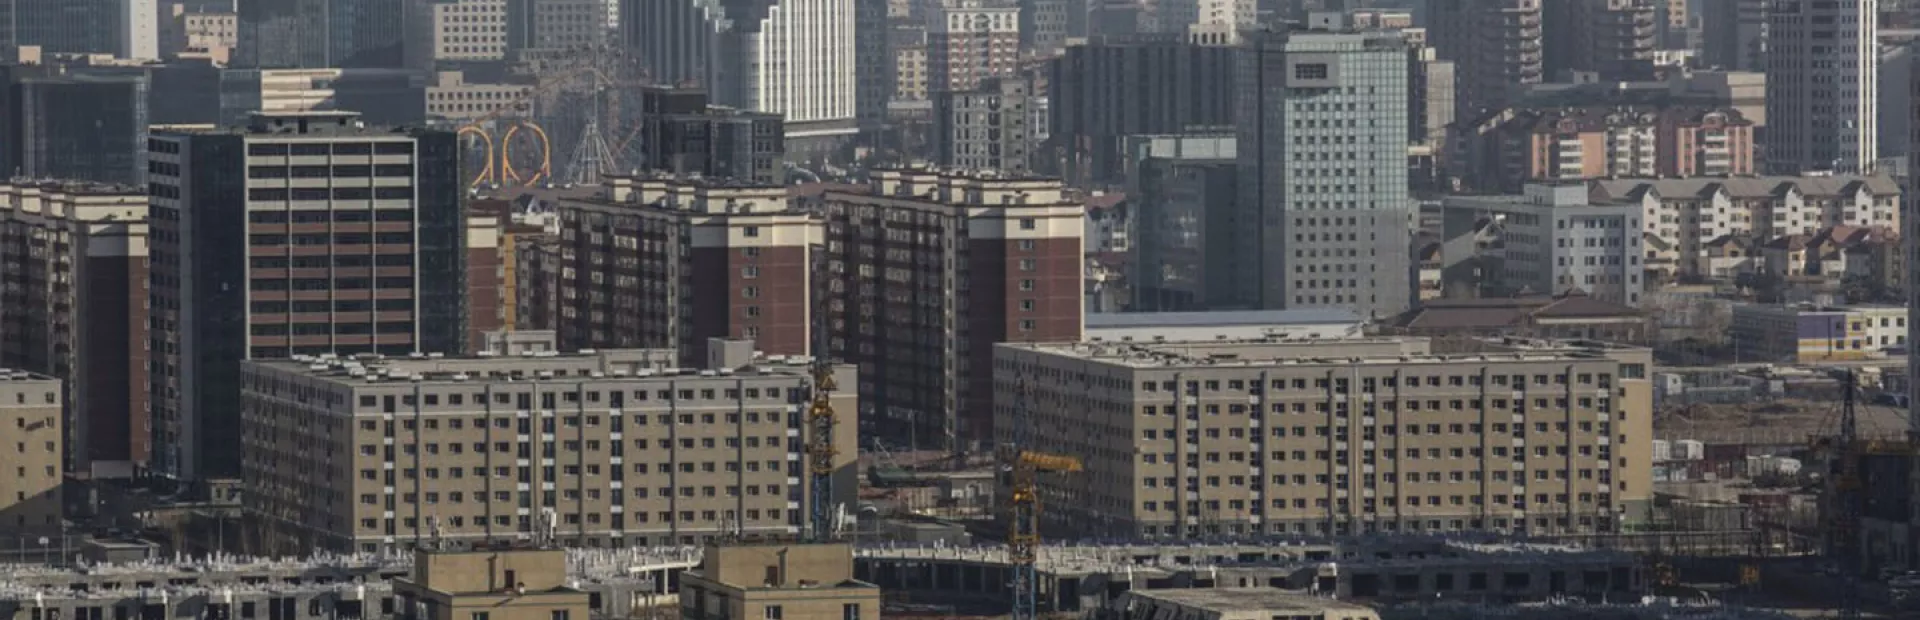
<point x="609" y="448"/>
<point x="491" y="584"/>
<point x="777" y="581"/>
<point x="1270" y="436"/>
<point x="30" y="472"/>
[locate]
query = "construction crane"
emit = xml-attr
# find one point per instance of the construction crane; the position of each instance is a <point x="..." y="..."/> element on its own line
<point x="1843" y="506"/>
<point x="820" y="423"/>
<point x="1024" y="468"/>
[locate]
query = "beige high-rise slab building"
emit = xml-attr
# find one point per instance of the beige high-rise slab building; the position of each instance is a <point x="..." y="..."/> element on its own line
<point x="608" y="448"/>
<point x="1184" y="439"/>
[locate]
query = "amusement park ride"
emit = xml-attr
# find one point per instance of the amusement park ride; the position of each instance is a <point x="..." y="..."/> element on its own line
<point x="511" y="145"/>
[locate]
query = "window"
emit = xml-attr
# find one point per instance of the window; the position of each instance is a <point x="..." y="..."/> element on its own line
<point x="750" y="231"/>
<point x="559" y="614"/>
<point x="1310" y="71"/>
<point x="1026" y="264"/>
<point x="850" y="611"/>
<point x="774" y="612"/>
<point x="1027" y="223"/>
<point x="479" y="615"/>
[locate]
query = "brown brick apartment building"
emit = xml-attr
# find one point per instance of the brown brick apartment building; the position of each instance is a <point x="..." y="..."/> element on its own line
<point x="928" y="270"/>
<point x="663" y="262"/>
<point x="75" y="308"/>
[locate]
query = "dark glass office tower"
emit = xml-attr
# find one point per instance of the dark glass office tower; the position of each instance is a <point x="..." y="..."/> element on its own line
<point x="76" y="127"/>
<point x="304" y="34"/>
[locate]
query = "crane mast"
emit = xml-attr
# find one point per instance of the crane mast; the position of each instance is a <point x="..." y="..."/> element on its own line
<point x="820" y="422"/>
<point x="1024" y="468"/>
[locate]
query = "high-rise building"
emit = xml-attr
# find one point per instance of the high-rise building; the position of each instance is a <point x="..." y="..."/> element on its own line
<point x="30" y="489"/>
<point x="633" y="448"/>
<point x="559" y="24"/>
<point x="661" y="262"/>
<point x="955" y="262"/>
<point x="1822" y="83"/>
<point x="1495" y="45"/>
<point x="1106" y="89"/>
<point x="470" y="30"/>
<point x="794" y="58"/>
<point x="341" y="34"/>
<point x="986" y="127"/>
<point x="1181" y="190"/>
<point x="680" y="133"/>
<point x="1607" y="40"/>
<point x="77" y="126"/>
<point x="299" y="234"/>
<point x="1323" y="129"/>
<point x="1334" y="437"/>
<point x="969" y="41"/>
<point x="75" y="310"/>
<point x="379" y="96"/>
<point x="122" y="28"/>
<point x="1733" y="34"/>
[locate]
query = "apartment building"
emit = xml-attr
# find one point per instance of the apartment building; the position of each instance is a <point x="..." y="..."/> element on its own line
<point x="954" y="261"/>
<point x="1611" y="40"/>
<point x="74" y="309"/>
<point x="1521" y="145"/>
<point x="612" y="448"/>
<point x="985" y="128"/>
<point x="527" y="583"/>
<point x="1690" y="213"/>
<point x="1334" y="437"/>
<point x="1550" y="239"/>
<point x="31" y="478"/>
<point x="662" y="262"/>
<point x="776" y="580"/>
<point x="1495" y="45"/>
<point x="969" y="41"/>
<point x="292" y="235"/>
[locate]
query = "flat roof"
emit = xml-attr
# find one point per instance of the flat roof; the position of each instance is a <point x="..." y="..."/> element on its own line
<point x="1304" y="316"/>
<point x="1250" y="599"/>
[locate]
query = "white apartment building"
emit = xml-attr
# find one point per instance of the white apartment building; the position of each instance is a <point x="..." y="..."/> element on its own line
<point x="1691" y="212"/>
<point x="789" y="57"/>
<point x="1822" y="78"/>
<point x="1549" y="240"/>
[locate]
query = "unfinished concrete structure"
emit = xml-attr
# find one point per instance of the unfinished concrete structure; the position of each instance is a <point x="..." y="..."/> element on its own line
<point x="1374" y="568"/>
<point x="333" y="587"/>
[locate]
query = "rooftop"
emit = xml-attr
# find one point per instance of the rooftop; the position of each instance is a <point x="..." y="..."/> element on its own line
<point x="12" y="374"/>
<point x="1283" y="351"/>
<point x="584" y="364"/>
<point x="1305" y="316"/>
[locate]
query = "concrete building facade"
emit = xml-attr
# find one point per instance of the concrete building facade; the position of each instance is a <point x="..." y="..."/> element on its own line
<point x="293" y="235"/>
<point x="1551" y="239"/>
<point x="1109" y="88"/>
<point x="75" y="310"/>
<point x="611" y="448"/>
<point x="470" y="30"/>
<point x="31" y="410"/>
<point x="1182" y="189"/>
<point x="777" y="580"/>
<point x="1734" y="34"/>
<point x="1521" y="145"/>
<point x="1496" y="45"/>
<point x="1690" y="214"/>
<point x="1822" y="82"/>
<point x="985" y="128"/>
<point x="1325" y="220"/>
<point x="956" y="261"/>
<point x="1333" y="437"/>
<point x="969" y="41"/>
